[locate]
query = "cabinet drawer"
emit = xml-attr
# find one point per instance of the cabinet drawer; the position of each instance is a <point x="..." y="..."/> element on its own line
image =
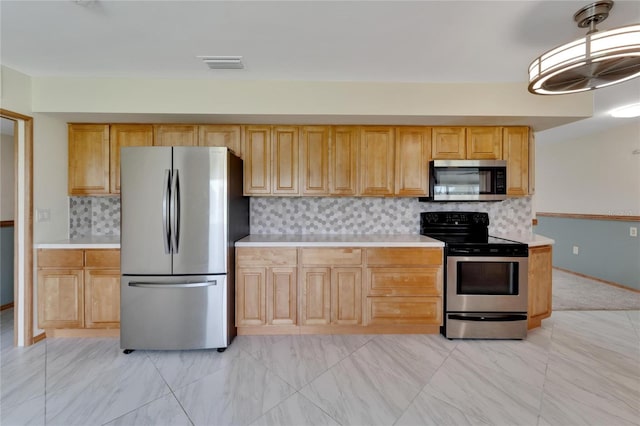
<point x="404" y="256"/>
<point x="331" y="256"/>
<point x="254" y="257"/>
<point x="404" y="281"/>
<point x="60" y="258"/>
<point x="404" y="310"/>
<point x="102" y="258"/>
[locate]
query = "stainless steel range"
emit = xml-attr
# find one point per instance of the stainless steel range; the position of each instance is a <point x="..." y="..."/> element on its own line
<point x="485" y="277"/>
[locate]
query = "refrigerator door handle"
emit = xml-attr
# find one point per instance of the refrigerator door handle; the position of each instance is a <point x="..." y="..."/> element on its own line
<point x="166" y="227"/>
<point x="175" y="203"/>
<point x="143" y="284"/>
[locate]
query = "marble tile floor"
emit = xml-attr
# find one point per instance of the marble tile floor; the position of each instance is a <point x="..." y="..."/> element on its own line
<point x="580" y="368"/>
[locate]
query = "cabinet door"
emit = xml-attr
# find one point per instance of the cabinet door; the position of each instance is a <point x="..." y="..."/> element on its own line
<point x="256" y="147"/>
<point x="122" y="135"/>
<point x="346" y="296"/>
<point x="377" y="160"/>
<point x="316" y="296"/>
<point x="60" y="298"/>
<point x="413" y="152"/>
<point x="88" y="159"/>
<point x="314" y="167"/>
<point x="540" y="278"/>
<point x="515" y="143"/>
<point x="484" y="143"/>
<point x="448" y="143"/>
<point x="175" y="135"/>
<point x="221" y="135"/>
<point x="281" y="296"/>
<point x="250" y="296"/>
<point x="343" y="160"/>
<point x="102" y="298"/>
<point x="285" y="160"/>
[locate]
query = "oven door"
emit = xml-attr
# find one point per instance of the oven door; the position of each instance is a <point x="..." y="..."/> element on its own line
<point x="486" y="284"/>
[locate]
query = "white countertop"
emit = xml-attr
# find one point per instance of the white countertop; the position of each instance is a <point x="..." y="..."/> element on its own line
<point x="82" y="243"/>
<point x="533" y="240"/>
<point x="337" y="240"/>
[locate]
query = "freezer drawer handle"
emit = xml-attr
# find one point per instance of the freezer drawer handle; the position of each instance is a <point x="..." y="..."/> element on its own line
<point x="171" y="285"/>
<point x="488" y="317"/>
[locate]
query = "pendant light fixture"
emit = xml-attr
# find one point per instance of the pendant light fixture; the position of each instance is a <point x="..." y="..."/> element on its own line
<point x="598" y="60"/>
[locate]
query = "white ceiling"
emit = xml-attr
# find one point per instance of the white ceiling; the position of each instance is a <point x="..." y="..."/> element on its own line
<point x="397" y="41"/>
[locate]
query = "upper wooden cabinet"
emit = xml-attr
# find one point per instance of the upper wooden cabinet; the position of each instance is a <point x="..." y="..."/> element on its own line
<point x="343" y="160"/>
<point x="515" y="150"/>
<point x="413" y="152"/>
<point x="448" y="143"/>
<point x="175" y="135"/>
<point x="122" y="135"/>
<point x="314" y="164"/>
<point x="271" y="160"/>
<point x="484" y="143"/>
<point x="221" y="135"/>
<point x="88" y="159"/>
<point x="377" y="161"/>
<point x="285" y="160"/>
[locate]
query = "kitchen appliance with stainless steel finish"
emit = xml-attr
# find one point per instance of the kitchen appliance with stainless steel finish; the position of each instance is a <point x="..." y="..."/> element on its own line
<point x="467" y="180"/>
<point x="182" y="209"/>
<point x="485" y="278"/>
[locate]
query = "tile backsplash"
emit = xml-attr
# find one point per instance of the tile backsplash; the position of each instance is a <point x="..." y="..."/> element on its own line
<point x="323" y="215"/>
<point x="100" y="216"/>
<point x="94" y="216"/>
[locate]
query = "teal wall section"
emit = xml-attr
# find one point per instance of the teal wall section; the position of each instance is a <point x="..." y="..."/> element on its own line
<point x="606" y="250"/>
<point x="6" y="265"/>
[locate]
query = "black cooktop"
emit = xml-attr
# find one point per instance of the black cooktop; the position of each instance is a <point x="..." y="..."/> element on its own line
<point x="467" y="233"/>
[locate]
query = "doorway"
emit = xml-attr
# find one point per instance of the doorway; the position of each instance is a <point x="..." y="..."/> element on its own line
<point x="7" y="212"/>
<point x="23" y="226"/>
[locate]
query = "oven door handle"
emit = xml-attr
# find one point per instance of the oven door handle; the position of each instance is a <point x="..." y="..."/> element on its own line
<point x="488" y="317"/>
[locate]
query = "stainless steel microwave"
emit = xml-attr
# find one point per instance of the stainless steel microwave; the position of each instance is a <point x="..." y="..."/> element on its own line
<point x="467" y="180"/>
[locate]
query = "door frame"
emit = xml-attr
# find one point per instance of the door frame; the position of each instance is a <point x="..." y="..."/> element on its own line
<point x="23" y="230"/>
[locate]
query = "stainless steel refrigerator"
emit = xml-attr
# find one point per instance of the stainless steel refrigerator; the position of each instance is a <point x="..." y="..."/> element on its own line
<point x="182" y="209"/>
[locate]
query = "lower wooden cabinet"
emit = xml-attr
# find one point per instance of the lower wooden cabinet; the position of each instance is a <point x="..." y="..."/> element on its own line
<point x="266" y="287"/>
<point x="539" y="282"/>
<point x="78" y="288"/>
<point x="338" y="289"/>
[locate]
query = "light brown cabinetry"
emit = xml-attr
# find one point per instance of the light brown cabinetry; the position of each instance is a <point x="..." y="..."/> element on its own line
<point x="448" y="143"/>
<point x="484" y="143"/>
<point x="539" y="281"/>
<point x="314" y="164"/>
<point x="271" y="160"/>
<point x="222" y="136"/>
<point x="78" y="288"/>
<point x="515" y="150"/>
<point x="343" y="160"/>
<point x="404" y="286"/>
<point x="175" y="135"/>
<point x="88" y="159"/>
<point x="377" y="161"/>
<point x="266" y="286"/>
<point x="331" y="286"/>
<point x="122" y="135"/>
<point x="413" y="152"/>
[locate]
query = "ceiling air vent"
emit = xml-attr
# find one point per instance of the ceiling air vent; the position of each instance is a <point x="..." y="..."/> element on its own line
<point x="223" y="62"/>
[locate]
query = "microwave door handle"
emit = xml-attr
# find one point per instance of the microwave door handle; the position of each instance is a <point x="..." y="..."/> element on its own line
<point x="166" y="226"/>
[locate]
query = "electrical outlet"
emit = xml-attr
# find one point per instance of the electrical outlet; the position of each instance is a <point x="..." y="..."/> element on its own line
<point x="633" y="231"/>
<point x="576" y="250"/>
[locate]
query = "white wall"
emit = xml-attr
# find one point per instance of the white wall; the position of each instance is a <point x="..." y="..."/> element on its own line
<point x="50" y="177"/>
<point x="7" y="178"/>
<point x="15" y="91"/>
<point x="596" y="174"/>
